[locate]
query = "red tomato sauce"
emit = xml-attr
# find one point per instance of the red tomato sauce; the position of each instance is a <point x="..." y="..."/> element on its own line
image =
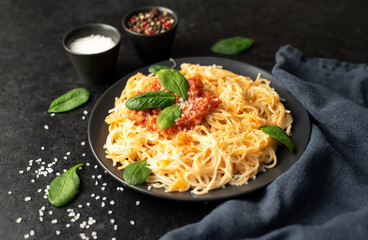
<point x="200" y="102"/>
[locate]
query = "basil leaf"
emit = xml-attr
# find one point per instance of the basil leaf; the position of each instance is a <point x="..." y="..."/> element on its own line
<point x="279" y="134"/>
<point x="136" y="173"/>
<point x="152" y="99"/>
<point x="63" y="188"/>
<point x="174" y="81"/>
<point x="69" y="100"/>
<point x="232" y="46"/>
<point x="157" y="68"/>
<point x="168" y="116"/>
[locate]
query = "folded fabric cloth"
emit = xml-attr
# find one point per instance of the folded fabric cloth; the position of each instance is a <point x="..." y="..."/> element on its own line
<point x="324" y="195"/>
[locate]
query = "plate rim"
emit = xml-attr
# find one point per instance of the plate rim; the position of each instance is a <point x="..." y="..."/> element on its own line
<point x="194" y="198"/>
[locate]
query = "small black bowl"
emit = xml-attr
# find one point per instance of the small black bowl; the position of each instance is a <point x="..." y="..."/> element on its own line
<point x="98" y="67"/>
<point x="155" y="47"/>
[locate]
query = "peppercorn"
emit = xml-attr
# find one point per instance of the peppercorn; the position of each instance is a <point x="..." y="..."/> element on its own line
<point x="152" y="22"/>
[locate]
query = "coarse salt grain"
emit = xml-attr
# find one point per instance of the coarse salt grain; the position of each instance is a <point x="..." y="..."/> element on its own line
<point x="26" y="235"/>
<point x="32" y="233"/>
<point x="92" y="44"/>
<point x="54" y="221"/>
<point x="83" y="143"/>
<point x="85" y="112"/>
<point x="137" y="203"/>
<point x="109" y="212"/>
<point x="112" y="202"/>
<point x="57" y="232"/>
<point x="9" y="192"/>
<point x="83" y="117"/>
<point x="18" y="220"/>
<point x="27" y="199"/>
<point x="132" y="222"/>
<point x="46" y="127"/>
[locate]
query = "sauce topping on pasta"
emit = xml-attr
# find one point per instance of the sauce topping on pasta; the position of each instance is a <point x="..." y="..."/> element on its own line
<point x="200" y="102"/>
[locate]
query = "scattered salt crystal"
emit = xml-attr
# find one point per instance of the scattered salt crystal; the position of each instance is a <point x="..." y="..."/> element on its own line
<point x="67" y="225"/>
<point x="43" y="208"/>
<point x="103" y="188"/>
<point x="104" y="198"/>
<point x="96" y="166"/>
<point x="112" y="220"/>
<point x="92" y="44"/>
<point x="21" y="171"/>
<point x="32" y="233"/>
<point x="137" y="203"/>
<point x="131" y="222"/>
<point x="27" y="199"/>
<point x="97" y="197"/>
<point x="115" y="227"/>
<point x="113" y="238"/>
<point x="46" y="127"/>
<point x="87" y="204"/>
<point x="26" y="235"/>
<point x="32" y="180"/>
<point x="39" y="190"/>
<point x="85" y="112"/>
<point x="57" y="232"/>
<point x="9" y="192"/>
<point x="83" y="156"/>
<point x="96" y="183"/>
<point x="83" y="117"/>
<point x="54" y="221"/>
<point x="87" y="164"/>
<point x="65" y="157"/>
<point x="41" y="219"/>
<point x="112" y="202"/>
<point x="93" y="195"/>
<point x="103" y="204"/>
<point x="50" y="212"/>
<point x="109" y="212"/>
<point x="93" y="176"/>
<point x="83" y="143"/>
<point x="99" y="176"/>
<point x="28" y="168"/>
<point x="42" y="148"/>
<point x="104" y="184"/>
<point x="80" y="206"/>
<point x="52" y="114"/>
<point x="18" y="220"/>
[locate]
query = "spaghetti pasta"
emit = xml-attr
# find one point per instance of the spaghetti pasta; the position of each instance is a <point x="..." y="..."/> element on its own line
<point x="225" y="146"/>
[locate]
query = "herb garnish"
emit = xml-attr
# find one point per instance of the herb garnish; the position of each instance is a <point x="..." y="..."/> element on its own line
<point x="156" y="68"/>
<point x="152" y="99"/>
<point x="171" y="80"/>
<point x="69" y="100"/>
<point x="63" y="188"/>
<point x="168" y="117"/>
<point x="136" y="173"/>
<point x="279" y="134"/>
<point x="174" y="81"/>
<point x="232" y="46"/>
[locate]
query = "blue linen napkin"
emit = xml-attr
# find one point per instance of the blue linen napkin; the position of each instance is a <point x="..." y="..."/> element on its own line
<point x="324" y="195"/>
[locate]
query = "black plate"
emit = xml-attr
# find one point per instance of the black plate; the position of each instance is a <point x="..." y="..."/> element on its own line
<point x="98" y="131"/>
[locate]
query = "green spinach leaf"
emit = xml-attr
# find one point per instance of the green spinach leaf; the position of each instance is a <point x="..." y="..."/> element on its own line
<point x="69" y="100"/>
<point x="152" y="99"/>
<point x="232" y="46"/>
<point x="63" y="188"/>
<point x="168" y="116"/>
<point x="279" y="134"/>
<point x="174" y="81"/>
<point x="157" y="68"/>
<point x="136" y="173"/>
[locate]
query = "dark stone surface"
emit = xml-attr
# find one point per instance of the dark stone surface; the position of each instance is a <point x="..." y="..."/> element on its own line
<point x="34" y="70"/>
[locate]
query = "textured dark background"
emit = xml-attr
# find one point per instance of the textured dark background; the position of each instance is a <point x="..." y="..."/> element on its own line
<point x="34" y="70"/>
